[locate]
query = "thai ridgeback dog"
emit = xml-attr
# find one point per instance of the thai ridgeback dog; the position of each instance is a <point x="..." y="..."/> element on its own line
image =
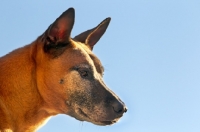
<point x="56" y="75"/>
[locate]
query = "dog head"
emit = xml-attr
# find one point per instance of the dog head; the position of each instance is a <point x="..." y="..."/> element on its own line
<point x="70" y="76"/>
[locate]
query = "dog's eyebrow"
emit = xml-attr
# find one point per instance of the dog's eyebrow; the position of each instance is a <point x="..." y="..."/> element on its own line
<point x="82" y="66"/>
<point x="97" y="63"/>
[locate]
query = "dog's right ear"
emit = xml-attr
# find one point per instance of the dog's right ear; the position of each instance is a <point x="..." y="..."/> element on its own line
<point x="58" y="33"/>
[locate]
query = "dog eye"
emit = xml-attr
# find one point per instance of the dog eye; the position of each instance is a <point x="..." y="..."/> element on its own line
<point x="84" y="73"/>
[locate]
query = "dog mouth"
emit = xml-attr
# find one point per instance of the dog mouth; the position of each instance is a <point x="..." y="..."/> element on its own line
<point x="84" y="117"/>
<point x="108" y="122"/>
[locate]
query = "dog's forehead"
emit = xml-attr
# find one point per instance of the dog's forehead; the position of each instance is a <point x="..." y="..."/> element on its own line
<point x="81" y="51"/>
<point x="87" y="55"/>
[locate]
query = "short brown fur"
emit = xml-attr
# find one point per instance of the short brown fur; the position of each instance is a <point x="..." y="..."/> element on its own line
<point x="56" y="75"/>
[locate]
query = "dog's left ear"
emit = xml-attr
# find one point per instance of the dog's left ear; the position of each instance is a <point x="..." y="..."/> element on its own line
<point x="92" y="36"/>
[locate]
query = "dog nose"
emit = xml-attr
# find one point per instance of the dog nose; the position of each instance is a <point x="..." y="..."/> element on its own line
<point x="119" y="107"/>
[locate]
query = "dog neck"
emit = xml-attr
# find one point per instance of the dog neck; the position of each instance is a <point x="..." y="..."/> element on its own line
<point x="24" y="109"/>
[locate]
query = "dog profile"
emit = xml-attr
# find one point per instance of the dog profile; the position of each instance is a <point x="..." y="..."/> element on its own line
<point x="56" y="74"/>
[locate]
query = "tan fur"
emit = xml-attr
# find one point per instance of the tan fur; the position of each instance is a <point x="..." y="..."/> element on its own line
<point x="37" y="83"/>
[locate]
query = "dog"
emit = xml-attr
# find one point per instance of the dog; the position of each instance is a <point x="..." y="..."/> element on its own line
<point x="56" y="74"/>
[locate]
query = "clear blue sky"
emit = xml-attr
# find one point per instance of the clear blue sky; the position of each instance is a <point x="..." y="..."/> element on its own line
<point x="151" y="55"/>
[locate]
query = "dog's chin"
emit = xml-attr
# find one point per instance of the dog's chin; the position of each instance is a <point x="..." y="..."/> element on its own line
<point x="104" y="123"/>
<point x="82" y="116"/>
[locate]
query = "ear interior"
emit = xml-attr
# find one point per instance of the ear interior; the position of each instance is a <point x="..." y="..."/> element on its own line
<point x="60" y="30"/>
<point x="57" y="36"/>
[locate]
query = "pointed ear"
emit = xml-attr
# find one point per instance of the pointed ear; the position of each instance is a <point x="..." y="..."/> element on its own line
<point x="58" y="33"/>
<point x="92" y="36"/>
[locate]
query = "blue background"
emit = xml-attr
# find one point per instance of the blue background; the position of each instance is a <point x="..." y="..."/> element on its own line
<point x="151" y="55"/>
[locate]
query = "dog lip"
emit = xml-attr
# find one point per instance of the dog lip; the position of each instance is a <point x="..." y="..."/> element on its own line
<point x="108" y="122"/>
<point x="85" y="117"/>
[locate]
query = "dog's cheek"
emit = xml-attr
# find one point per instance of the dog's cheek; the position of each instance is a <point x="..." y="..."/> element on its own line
<point x="81" y="95"/>
<point x="77" y="89"/>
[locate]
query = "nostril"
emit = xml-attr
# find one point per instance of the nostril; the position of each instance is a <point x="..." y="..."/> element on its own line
<point x="125" y="109"/>
<point x="118" y="107"/>
<point x="117" y="110"/>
